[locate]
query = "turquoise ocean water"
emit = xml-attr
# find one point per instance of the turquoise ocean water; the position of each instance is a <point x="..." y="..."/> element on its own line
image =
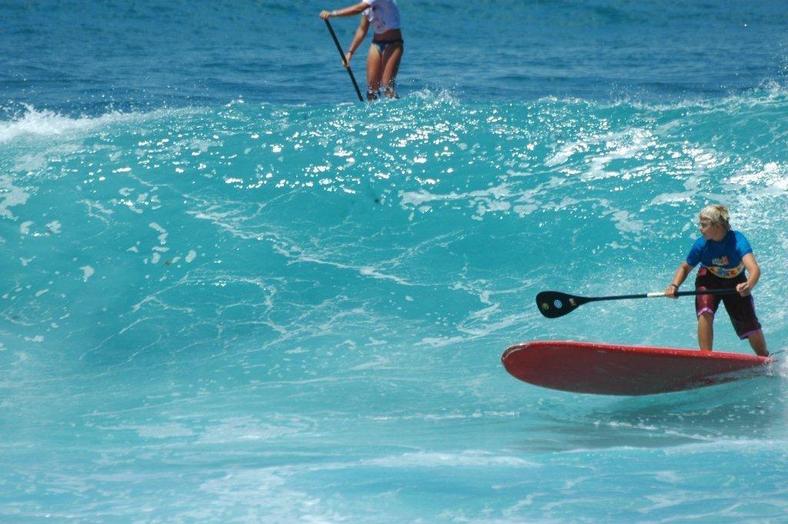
<point x="231" y="294"/>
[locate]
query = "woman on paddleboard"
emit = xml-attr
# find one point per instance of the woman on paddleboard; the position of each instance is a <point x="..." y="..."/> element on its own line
<point x="387" y="46"/>
<point x="726" y="262"/>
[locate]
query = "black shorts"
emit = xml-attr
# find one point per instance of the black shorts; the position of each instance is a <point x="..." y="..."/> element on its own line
<point x="740" y="309"/>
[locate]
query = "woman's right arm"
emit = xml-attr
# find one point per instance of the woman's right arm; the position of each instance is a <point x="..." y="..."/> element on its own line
<point x="345" y="11"/>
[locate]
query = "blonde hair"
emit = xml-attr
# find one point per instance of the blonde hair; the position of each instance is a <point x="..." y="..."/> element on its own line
<point x="716" y="214"/>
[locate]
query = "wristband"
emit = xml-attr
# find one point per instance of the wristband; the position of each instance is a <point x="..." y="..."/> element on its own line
<point x="673" y="285"/>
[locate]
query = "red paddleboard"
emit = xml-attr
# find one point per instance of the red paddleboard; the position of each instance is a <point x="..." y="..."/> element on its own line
<point x="611" y="369"/>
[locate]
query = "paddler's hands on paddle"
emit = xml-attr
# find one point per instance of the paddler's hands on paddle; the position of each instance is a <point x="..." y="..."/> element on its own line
<point x="679" y="277"/>
<point x="325" y="15"/>
<point x="744" y="289"/>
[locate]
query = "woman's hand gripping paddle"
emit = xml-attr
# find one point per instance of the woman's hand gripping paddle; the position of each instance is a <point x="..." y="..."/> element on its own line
<point x="554" y="304"/>
<point x="344" y="60"/>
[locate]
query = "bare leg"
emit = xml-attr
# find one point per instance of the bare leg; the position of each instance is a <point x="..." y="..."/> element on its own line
<point x="391" y="59"/>
<point x="374" y="69"/>
<point x="758" y="343"/>
<point x="706" y="331"/>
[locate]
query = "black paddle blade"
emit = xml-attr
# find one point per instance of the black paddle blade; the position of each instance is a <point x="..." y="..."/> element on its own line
<point x="554" y="304"/>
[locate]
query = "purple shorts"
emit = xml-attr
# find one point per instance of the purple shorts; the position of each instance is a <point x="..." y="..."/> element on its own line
<point x="740" y="309"/>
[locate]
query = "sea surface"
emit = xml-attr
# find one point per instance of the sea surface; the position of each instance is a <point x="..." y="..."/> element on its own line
<point x="230" y="292"/>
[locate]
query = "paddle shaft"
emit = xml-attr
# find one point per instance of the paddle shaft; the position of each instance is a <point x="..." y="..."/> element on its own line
<point x="344" y="60"/>
<point x="662" y="294"/>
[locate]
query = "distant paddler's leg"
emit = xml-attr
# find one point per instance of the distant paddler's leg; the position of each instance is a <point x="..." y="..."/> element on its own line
<point x="391" y="59"/>
<point x="374" y="68"/>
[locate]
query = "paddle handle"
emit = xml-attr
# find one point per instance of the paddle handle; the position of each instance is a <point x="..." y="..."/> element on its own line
<point x="344" y="60"/>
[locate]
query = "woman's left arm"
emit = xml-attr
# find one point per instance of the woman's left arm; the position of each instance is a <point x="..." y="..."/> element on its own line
<point x="753" y="274"/>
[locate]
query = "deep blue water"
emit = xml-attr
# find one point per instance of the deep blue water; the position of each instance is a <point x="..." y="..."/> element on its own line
<point x="86" y="57"/>
<point x="230" y="293"/>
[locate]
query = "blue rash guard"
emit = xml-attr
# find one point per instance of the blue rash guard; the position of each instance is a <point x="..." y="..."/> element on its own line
<point x="723" y="258"/>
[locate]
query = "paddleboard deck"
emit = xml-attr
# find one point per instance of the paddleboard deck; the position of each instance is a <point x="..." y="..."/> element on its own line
<point x="610" y="369"/>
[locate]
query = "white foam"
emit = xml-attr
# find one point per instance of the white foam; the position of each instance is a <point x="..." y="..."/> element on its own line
<point x="54" y="227"/>
<point x="494" y="199"/>
<point x="30" y="163"/>
<point x="162" y="232"/>
<point x="47" y="123"/>
<point x="369" y="271"/>
<point x="772" y="174"/>
<point x="239" y="429"/>
<point x="470" y="458"/>
<point x="10" y="196"/>
<point x="625" y="222"/>
<point x="87" y="272"/>
<point x="163" y="431"/>
<point x="566" y="152"/>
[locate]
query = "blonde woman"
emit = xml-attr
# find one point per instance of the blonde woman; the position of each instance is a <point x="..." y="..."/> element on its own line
<point x="726" y="262"/>
<point x="387" y="47"/>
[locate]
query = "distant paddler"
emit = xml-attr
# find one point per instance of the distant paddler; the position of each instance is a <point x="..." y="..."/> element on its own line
<point x="387" y="46"/>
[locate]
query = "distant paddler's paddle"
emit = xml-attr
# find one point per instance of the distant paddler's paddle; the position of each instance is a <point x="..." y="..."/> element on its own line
<point x="554" y="304"/>
<point x="344" y="60"/>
